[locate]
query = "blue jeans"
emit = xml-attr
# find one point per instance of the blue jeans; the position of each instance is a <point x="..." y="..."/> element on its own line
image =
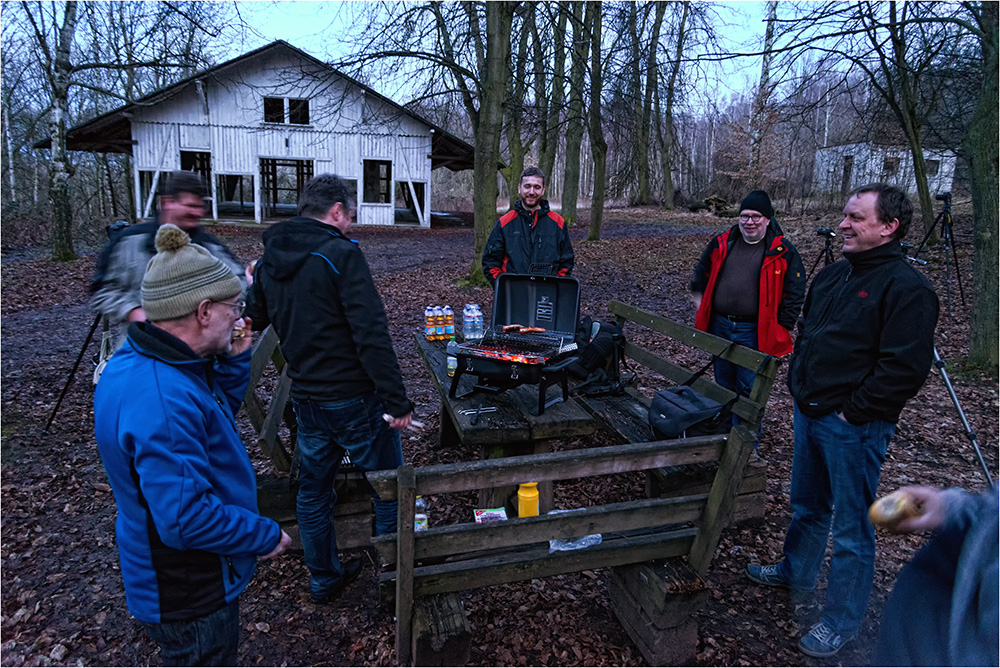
<point x="212" y="640"/>
<point x="326" y="430"/>
<point x="732" y="376"/>
<point x="835" y="472"/>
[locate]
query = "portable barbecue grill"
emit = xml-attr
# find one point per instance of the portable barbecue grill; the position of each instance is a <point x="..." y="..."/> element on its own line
<point x="503" y="360"/>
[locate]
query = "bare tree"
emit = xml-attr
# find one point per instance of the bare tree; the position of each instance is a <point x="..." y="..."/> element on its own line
<point x="598" y="146"/>
<point x="665" y="117"/>
<point x="575" y="120"/>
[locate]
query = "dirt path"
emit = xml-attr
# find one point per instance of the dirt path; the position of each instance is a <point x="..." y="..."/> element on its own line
<point x="62" y="597"/>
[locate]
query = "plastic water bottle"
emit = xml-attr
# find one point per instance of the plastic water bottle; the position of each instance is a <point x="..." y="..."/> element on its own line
<point x="468" y="323"/>
<point x="420" y="514"/>
<point x="449" y="322"/>
<point x="452" y="349"/>
<point x="479" y="321"/>
<point x="429" y="325"/>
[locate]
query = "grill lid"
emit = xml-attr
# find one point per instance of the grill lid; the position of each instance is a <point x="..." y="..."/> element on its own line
<point x="551" y="302"/>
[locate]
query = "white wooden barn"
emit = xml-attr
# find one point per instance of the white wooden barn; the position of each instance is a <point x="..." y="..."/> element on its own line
<point x="258" y="127"/>
<point x="848" y="166"/>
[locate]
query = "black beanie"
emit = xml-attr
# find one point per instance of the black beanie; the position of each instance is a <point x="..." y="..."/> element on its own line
<point x="758" y="201"/>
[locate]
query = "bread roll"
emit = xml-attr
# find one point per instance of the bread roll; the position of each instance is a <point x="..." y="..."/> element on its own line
<point x="892" y="509"/>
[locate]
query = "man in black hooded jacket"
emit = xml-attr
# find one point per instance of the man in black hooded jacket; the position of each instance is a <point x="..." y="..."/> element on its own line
<point x="314" y="286"/>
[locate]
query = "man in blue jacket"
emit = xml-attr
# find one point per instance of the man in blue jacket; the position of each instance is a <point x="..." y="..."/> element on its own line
<point x="188" y="529"/>
<point x="530" y="238"/>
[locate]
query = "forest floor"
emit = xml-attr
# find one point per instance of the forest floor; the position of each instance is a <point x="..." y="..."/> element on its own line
<point x="62" y="597"/>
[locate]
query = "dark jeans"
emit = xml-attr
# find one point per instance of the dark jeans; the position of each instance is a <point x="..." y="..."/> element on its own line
<point x="326" y="430"/>
<point x="212" y="640"/>
<point x="835" y="472"/>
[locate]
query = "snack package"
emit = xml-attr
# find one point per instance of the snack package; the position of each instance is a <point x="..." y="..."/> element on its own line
<point x="484" y="515"/>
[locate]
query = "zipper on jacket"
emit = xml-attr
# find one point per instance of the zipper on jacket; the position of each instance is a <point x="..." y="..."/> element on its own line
<point x="232" y="571"/>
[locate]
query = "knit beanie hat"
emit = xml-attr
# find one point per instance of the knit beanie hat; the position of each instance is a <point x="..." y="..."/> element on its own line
<point x="181" y="275"/>
<point x="758" y="201"/>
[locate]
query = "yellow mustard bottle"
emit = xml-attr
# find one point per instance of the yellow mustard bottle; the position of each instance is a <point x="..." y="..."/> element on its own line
<point x="527" y="499"/>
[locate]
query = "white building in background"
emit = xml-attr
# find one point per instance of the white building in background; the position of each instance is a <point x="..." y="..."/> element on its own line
<point x="848" y="166"/>
<point x="258" y="127"/>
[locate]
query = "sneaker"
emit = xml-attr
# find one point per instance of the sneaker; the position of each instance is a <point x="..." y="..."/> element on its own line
<point x="822" y="641"/>
<point x="352" y="569"/>
<point x="767" y="575"/>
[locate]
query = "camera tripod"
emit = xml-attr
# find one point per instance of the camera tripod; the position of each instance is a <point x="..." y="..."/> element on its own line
<point x="944" y="221"/>
<point x="969" y="433"/>
<point x="826" y="255"/>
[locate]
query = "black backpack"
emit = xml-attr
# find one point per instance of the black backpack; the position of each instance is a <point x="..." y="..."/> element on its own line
<point x="602" y="347"/>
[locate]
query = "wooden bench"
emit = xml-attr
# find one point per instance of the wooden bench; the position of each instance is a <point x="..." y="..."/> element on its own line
<point x="626" y="417"/>
<point x="449" y="559"/>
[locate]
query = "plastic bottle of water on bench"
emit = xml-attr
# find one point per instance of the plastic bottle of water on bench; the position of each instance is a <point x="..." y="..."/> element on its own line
<point x="420" y="514"/>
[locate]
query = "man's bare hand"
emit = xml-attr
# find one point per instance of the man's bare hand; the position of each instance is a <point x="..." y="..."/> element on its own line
<point x="696" y="298"/>
<point x="933" y="509"/>
<point x="242" y="336"/>
<point x="282" y="546"/>
<point x="401" y="422"/>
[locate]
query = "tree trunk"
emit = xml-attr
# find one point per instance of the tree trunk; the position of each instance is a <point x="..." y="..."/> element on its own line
<point x="574" y="130"/>
<point x="982" y="147"/>
<point x="516" y="86"/>
<point x="10" y="152"/>
<point x="550" y="139"/>
<point x="642" y="133"/>
<point x="598" y="146"/>
<point x="62" y="211"/>
<point x="666" y="137"/>
<point x="489" y="125"/>
<point x="762" y="102"/>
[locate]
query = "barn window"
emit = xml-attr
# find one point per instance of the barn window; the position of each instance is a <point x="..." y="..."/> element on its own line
<point x="378" y="182"/>
<point x="298" y="111"/>
<point x="933" y="166"/>
<point x="890" y="165"/>
<point x="274" y="110"/>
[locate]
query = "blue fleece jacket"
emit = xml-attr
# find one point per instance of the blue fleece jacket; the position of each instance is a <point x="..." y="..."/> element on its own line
<point x="188" y="528"/>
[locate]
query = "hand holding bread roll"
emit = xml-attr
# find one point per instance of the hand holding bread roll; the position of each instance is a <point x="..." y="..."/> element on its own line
<point x="890" y="510"/>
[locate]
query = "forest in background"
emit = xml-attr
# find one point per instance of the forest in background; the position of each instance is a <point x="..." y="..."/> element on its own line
<point x="618" y="101"/>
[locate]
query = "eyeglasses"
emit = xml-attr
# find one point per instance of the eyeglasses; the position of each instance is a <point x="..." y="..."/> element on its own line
<point x="746" y="218"/>
<point x="236" y="306"/>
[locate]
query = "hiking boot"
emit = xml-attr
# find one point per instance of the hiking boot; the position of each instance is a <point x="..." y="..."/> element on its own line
<point x="822" y="641"/>
<point x="352" y="569"/>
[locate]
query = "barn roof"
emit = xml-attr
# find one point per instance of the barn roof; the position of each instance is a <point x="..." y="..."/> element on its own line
<point x="112" y="132"/>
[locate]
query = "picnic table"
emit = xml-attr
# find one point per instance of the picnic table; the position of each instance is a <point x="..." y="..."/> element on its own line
<point x="510" y="427"/>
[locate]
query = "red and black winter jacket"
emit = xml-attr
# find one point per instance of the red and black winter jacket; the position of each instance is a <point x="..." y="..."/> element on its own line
<point x="524" y="238"/>
<point x="782" y="287"/>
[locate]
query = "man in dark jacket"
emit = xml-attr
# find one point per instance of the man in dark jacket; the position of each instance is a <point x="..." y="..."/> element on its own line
<point x="530" y="239"/>
<point x="864" y="348"/>
<point x="188" y="530"/>
<point x="749" y="288"/>
<point x="314" y="285"/>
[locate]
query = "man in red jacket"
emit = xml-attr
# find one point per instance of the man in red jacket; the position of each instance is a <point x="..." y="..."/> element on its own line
<point x="749" y="287"/>
<point x="529" y="239"/>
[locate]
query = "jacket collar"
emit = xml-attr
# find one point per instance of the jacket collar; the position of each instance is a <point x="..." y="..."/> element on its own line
<point x="543" y="208"/>
<point x="773" y="238"/>
<point x="150" y="340"/>
<point x="876" y="256"/>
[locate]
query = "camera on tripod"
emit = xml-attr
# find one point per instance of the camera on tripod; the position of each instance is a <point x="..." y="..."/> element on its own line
<point x="826" y="232"/>
<point x="944" y="197"/>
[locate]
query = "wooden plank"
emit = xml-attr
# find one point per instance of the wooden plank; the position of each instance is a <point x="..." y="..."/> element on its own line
<point x="268" y="437"/>
<point x="404" y="569"/>
<point x="262" y="352"/>
<point x="513" y="567"/>
<point x="674" y="646"/>
<point x="668" y="590"/>
<point x="466" y="476"/>
<point x="610" y="519"/>
<point x="741" y="355"/>
<point x="255" y="410"/>
<point x="625" y="418"/>
<point x="721" y="498"/>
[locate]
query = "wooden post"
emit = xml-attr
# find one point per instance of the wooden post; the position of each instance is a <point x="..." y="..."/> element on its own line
<point x="407" y="481"/>
<point x="721" y="498"/>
